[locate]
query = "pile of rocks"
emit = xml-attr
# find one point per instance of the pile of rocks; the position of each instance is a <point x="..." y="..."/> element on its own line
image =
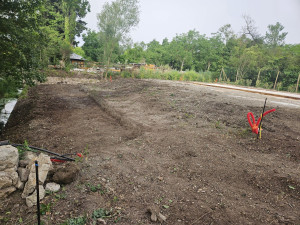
<point x="20" y="174"/>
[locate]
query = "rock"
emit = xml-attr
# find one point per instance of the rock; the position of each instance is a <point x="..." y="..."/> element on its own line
<point x="101" y="221"/>
<point x="155" y="215"/>
<point x="29" y="156"/>
<point x="66" y="174"/>
<point x="31" y="200"/>
<point x="6" y="191"/>
<point x="53" y="187"/>
<point x="5" y="180"/>
<point x="23" y="174"/>
<point x="24" y="162"/>
<point x="44" y="164"/>
<point x="161" y="217"/>
<point x="9" y="157"/>
<point x="20" y="185"/>
<point x="153" y="210"/>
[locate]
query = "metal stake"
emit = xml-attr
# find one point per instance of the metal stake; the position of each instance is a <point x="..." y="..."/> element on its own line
<point x="37" y="191"/>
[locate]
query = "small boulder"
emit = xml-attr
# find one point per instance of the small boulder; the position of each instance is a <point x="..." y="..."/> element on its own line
<point x="53" y="187"/>
<point x="31" y="200"/>
<point x="23" y="174"/>
<point x="66" y="174"/>
<point x="6" y="191"/>
<point x="9" y="157"/>
<point x="44" y="164"/>
<point x="24" y="162"/>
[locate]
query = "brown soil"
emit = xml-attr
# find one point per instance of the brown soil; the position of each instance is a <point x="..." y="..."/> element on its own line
<point x="184" y="148"/>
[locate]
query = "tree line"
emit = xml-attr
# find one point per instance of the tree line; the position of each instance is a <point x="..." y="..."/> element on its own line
<point x="248" y="58"/>
<point x="34" y="34"/>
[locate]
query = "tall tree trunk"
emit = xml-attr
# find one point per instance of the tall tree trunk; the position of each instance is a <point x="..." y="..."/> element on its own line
<point x="182" y="63"/>
<point x="225" y="76"/>
<point x="67" y="29"/>
<point x="258" y="75"/>
<point x="276" y="79"/>
<point x="297" y="83"/>
<point x="208" y="66"/>
<point x="220" y="77"/>
<point x="236" y="76"/>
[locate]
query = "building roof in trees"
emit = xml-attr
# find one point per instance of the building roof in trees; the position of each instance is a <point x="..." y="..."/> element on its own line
<point x="76" y="57"/>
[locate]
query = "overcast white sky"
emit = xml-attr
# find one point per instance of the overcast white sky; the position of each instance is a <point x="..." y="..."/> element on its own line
<point x="166" y="18"/>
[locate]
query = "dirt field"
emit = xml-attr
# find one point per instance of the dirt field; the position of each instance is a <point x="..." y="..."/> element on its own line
<point x="183" y="148"/>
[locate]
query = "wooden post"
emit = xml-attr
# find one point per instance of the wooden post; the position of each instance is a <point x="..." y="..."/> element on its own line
<point x="276" y="80"/>
<point x="297" y="83"/>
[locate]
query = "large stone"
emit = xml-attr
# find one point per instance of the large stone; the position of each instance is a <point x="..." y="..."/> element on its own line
<point x="66" y="174"/>
<point x="31" y="200"/>
<point x="8" y="178"/>
<point x="28" y="155"/>
<point x="53" y="187"/>
<point x="5" y="180"/>
<point x="6" y="191"/>
<point x="23" y="174"/>
<point x="44" y="164"/>
<point x="24" y="162"/>
<point x="9" y="157"/>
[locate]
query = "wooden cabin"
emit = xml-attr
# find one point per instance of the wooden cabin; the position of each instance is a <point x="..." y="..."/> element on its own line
<point x="77" y="61"/>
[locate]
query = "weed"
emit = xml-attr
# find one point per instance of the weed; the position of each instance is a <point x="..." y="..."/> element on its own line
<point x="45" y="208"/>
<point x="115" y="199"/>
<point x="218" y="125"/>
<point x="60" y="196"/>
<point x="101" y="213"/>
<point x="77" y="221"/>
<point x="95" y="188"/>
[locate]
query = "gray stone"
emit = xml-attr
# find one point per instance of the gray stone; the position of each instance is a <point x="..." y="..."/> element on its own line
<point x="5" y="180"/>
<point x="23" y="174"/>
<point x="24" y="162"/>
<point x="20" y="185"/>
<point x="6" y="191"/>
<point x="31" y="200"/>
<point x="8" y="178"/>
<point x="44" y="164"/>
<point x="9" y="157"/>
<point x="53" y="187"/>
<point x="28" y="155"/>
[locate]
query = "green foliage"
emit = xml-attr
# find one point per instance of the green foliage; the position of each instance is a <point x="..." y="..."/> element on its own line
<point x="77" y="221"/>
<point x="247" y="61"/>
<point x="115" y="22"/>
<point x="93" y="47"/>
<point x="45" y="208"/>
<point x="101" y="213"/>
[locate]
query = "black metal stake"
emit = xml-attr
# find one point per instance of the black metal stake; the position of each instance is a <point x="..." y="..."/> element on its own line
<point x="37" y="191"/>
<point x="262" y="116"/>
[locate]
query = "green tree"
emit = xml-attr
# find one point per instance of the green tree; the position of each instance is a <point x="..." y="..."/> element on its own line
<point x="274" y="36"/>
<point x="115" y="21"/>
<point x="92" y="46"/>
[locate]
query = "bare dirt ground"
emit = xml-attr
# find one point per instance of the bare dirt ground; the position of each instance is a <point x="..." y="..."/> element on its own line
<point x="183" y="148"/>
